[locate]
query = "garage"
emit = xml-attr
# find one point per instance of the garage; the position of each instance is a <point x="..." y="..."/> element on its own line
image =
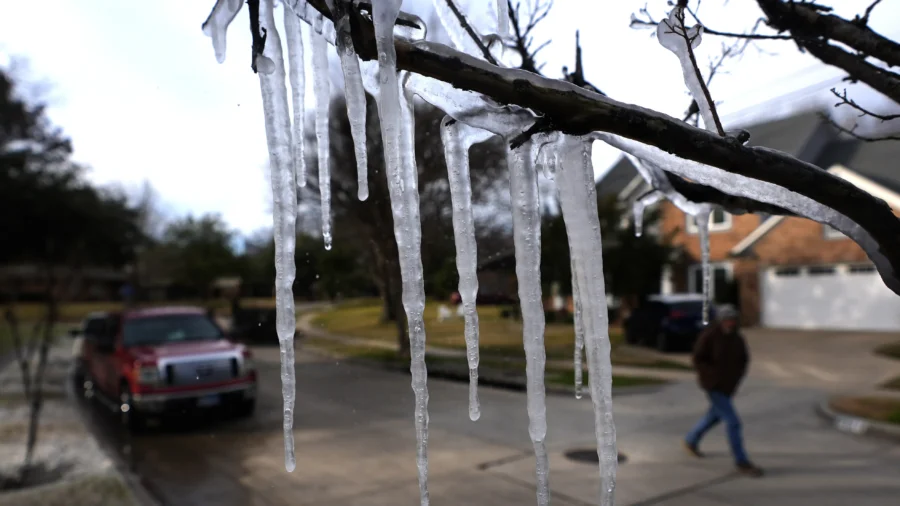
<point x="828" y="297"/>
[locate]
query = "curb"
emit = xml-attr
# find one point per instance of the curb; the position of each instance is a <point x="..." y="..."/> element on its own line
<point x="514" y="385"/>
<point x="856" y="425"/>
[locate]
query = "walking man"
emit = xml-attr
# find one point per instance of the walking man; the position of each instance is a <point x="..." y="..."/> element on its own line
<point x="721" y="359"/>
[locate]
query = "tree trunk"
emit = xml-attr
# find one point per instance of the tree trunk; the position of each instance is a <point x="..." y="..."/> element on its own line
<point x="37" y="397"/>
<point x="22" y="355"/>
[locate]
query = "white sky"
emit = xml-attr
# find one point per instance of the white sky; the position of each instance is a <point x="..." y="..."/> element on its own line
<point x="137" y="87"/>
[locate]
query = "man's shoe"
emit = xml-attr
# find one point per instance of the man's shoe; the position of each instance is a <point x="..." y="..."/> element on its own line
<point x="693" y="450"/>
<point x="748" y="469"/>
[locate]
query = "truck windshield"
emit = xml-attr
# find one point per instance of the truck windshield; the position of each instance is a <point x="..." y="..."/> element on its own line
<point x="169" y="329"/>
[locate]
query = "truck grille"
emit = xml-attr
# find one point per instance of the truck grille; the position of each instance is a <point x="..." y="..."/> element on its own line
<point x="199" y="372"/>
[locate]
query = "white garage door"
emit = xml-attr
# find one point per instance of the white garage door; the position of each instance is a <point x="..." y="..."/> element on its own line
<point x="834" y="297"/>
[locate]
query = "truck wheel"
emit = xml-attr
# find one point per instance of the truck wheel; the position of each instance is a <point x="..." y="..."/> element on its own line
<point x="130" y="418"/>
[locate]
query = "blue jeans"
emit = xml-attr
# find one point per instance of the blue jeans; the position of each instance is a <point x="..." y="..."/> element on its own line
<point x="721" y="409"/>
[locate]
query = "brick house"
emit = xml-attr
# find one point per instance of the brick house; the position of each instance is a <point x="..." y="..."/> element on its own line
<point x="789" y="272"/>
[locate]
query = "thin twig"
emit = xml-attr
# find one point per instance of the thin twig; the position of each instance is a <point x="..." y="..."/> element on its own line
<point x="472" y="33"/>
<point x="690" y="50"/>
<point x="864" y="20"/>
<point x="863" y="111"/>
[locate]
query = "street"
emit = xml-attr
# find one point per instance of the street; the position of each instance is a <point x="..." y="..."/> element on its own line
<point x="356" y="446"/>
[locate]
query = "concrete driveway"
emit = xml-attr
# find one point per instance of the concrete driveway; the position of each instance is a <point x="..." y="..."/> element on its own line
<point x="356" y="446"/>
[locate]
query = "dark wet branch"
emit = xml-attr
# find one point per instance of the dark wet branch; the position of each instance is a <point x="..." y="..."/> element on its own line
<point x="258" y="34"/>
<point x="577" y="111"/>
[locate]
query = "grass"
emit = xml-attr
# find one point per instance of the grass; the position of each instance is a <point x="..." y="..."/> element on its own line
<point x="103" y="489"/>
<point x="25" y="333"/>
<point x="892" y="384"/>
<point x="498" y="337"/>
<point x="488" y="366"/>
<point x="890" y="350"/>
<point x="881" y="409"/>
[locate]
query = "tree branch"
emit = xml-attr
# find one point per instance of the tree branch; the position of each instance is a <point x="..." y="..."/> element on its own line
<point x="858" y="69"/>
<point x="577" y="111"/>
<point x="803" y="19"/>
<point x="471" y="31"/>
<point x="863" y="111"/>
<point x="852" y="131"/>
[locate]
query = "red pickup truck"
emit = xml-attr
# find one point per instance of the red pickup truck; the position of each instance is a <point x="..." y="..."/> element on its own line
<point x="164" y="360"/>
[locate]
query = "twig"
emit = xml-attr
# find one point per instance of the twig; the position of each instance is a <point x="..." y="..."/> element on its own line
<point x="864" y="20"/>
<point x="258" y="34"/>
<point x="679" y="15"/>
<point x="852" y="131"/>
<point x="863" y="111"/>
<point x="471" y="31"/>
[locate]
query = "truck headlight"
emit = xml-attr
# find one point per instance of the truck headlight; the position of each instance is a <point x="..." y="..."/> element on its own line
<point x="247" y="366"/>
<point x="148" y="375"/>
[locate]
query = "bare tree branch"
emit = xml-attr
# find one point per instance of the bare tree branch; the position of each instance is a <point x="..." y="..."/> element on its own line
<point x="852" y="131"/>
<point x="863" y="111"/>
<point x="808" y="20"/>
<point x="577" y="111"/>
<point x="471" y="31"/>
<point x="864" y="20"/>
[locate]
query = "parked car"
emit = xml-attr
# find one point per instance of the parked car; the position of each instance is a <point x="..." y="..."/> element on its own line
<point x="667" y="322"/>
<point x="164" y="360"/>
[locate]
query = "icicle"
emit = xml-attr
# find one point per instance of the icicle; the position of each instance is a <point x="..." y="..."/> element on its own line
<point x="217" y="22"/>
<point x="322" y="88"/>
<point x="458" y="138"/>
<point x="702" y="221"/>
<point x="294" y="36"/>
<point x="397" y="131"/>
<point x="458" y="35"/>
<point x="671" y="34"/>
<point x="527" y="238"/>
<point x="638" y="207"/>
<point x="575" y="177"/>
<point x="278" y="137"/>
<point x="354" y="93"/>
<point x="579" y="331"/>
<point x="502" y="18"/>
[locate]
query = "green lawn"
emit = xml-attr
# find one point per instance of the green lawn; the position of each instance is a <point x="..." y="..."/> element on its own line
<point x="498" y="337"/>
<point x="881" y="409"/>
<point x="555" y="375"/>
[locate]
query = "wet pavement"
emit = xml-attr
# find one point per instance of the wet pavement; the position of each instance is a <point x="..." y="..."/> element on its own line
<point x="356" y="446"/>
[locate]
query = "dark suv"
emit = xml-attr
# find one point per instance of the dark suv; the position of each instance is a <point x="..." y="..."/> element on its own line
<point x="667" y="322"/>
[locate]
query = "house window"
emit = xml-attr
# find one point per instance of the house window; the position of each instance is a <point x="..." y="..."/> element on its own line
<point x="718" y="220"/>
<point x="787" y="271"/>
<point x="831" y="234"/>
<point x="861" y="269"/>
<point x="821" y="270"/>
<point x="720" y="277"/>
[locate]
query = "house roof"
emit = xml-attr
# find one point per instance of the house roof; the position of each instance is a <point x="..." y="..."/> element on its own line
<point x="877" y="161"/>
<point x="617" y="178"/>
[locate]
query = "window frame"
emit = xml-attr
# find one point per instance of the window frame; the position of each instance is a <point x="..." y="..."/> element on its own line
<point x="726" y="224"/>
<point x="693" y="269"/>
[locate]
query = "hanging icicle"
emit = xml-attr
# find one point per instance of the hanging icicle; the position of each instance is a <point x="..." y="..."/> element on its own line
<point x="527" y="239"/>
<point x="284" y="197"/>
<point x="458" y="138"/>
<point x="502" y="18"/>
<point x="579" y="331"/>
<point x="354" y="93"/>
<point x="294" y="35"/>
<point x="638" y="207"/>
<point x="322" y="89"/>
<point x="397" y="130"/>
<point x="217" y="22"/>
<point x="702" y="221"/>
<point x="575" y="177"/>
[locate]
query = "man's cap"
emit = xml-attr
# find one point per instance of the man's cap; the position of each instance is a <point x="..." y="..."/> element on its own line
<point x="727" y="312"/>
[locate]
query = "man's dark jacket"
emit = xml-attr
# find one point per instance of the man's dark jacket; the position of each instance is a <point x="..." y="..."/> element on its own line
<point x="720" y="360"/>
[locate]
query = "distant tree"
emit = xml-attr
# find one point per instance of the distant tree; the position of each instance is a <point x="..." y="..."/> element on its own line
<point x="367" y="226"/>
<point x="200" y="250"/>
<point x="53" y="219"/>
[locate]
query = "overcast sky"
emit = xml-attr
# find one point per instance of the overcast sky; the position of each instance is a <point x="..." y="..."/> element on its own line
<point x="137" y="87"/>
